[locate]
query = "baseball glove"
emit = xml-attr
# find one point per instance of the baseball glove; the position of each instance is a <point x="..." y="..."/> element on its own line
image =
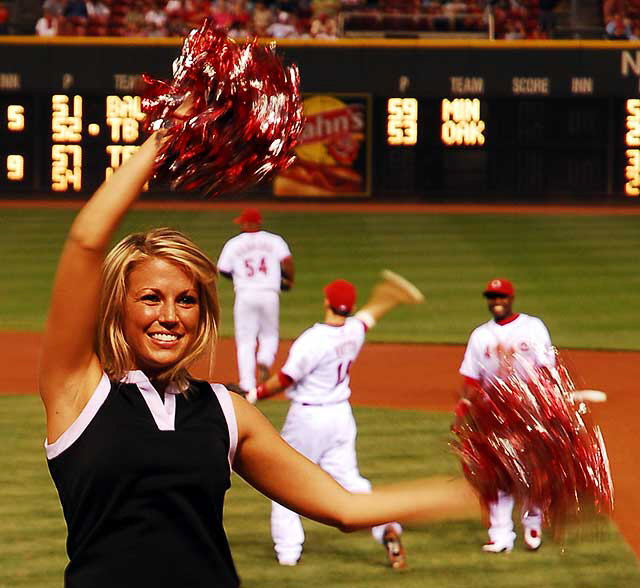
<point x="286" y="283"/>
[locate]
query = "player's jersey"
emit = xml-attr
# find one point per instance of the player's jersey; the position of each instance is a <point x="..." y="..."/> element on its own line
<point x="522" y="343"/>
<point x="319" y="362"/>
<point x="253" y="259"/>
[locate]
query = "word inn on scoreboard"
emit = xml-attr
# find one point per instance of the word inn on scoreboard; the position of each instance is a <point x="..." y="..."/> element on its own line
<point x="122" y="116"/>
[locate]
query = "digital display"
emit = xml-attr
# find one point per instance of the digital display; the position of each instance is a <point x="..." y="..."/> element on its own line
<point x="632" y="153"/>
<point x="461" y="122"/>
<point x="402" y="121"/>
<point x="13" y="157"/>
<point x="67" y="143"/>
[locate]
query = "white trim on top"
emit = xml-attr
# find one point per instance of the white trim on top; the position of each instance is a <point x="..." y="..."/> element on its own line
<point x="163" y="413"/>
<point x="72" y="434"/>
<point x="224" y="399"/>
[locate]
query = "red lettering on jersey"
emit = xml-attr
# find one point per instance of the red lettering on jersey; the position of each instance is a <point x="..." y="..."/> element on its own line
<point x="343" y="372"/>
<point x="250" y="267"/>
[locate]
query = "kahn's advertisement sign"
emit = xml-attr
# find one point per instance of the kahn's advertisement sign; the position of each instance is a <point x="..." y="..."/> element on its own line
<point x="333" y="154"/>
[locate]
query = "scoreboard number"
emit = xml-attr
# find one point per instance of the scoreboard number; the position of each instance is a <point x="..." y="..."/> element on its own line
<point x="15" y="168"/>
<point x="66" y="168"/>
<point x="632" y="153"/>
<point x="15" y="117"/>
<point x="402" y="121"/>
<point x="66" y="124"/>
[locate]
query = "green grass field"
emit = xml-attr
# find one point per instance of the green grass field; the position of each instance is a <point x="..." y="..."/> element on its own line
<point x="579" y="273"/>
<point x="445" y="555"/>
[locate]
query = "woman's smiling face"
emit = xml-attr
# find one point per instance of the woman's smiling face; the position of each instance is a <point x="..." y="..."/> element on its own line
<point x="161" y="314"/>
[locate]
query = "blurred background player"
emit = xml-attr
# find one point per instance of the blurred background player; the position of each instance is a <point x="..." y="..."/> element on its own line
<point x="509" y="341"/>
<point x="320" y="422"/>
<point x="260" y="265"/>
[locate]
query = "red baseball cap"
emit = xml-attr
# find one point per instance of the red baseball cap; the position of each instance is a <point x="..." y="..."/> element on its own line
<point x="249" y="215"/>
<point x="341" y="295"/>
<point x="499" y="286"/>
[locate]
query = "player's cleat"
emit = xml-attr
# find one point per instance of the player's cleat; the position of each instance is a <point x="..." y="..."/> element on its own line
<point x="498" y="547"/>
<point x="263" y="373"/>
<point x="393" y="546"/>
<point x="532" y="539"/>
<point x="288" y="561"/>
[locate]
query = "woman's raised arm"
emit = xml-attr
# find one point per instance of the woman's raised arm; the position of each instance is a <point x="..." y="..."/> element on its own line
<point x="69" y="368"/>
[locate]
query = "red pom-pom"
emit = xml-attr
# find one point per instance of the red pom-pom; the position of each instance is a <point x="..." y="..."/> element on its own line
<point x="526" y="435"/>
<point x="241" y="114"/>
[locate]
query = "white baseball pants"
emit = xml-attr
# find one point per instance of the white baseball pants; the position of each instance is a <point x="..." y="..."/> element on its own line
<point x="501" y="522"/>
<point x="255" y="320"/>
<point x="327" y="436"/>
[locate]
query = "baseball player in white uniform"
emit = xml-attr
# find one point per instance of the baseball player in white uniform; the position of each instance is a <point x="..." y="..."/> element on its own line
<point x="509" y="341"/>
<point x="260" y="265"/>
<point x="320" y="423"/>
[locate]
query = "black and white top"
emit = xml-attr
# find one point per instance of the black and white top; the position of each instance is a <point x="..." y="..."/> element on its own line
<point x="142" y="484"/>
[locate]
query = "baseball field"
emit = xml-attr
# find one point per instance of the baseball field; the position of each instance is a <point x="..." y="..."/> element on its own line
<point x="575" y="268"/>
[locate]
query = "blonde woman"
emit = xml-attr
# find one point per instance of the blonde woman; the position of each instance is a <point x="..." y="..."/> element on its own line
<point x="141" y="453"/>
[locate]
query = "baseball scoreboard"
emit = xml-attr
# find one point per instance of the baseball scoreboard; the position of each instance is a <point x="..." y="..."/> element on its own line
<point x="433" y="122"/>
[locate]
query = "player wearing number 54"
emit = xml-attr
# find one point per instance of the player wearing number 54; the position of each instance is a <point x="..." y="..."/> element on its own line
<point x="320" y="424"/>
<point x="260" y="265"/>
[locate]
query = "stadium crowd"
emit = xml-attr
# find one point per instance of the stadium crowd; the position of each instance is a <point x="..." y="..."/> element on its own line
<point x="321" y="19"/>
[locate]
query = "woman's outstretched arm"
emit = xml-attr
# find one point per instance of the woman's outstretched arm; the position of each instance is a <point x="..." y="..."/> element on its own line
<point x="69" y="368"/>
<point x="277" y="470"/>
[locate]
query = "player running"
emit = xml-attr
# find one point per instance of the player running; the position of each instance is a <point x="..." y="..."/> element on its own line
<point x="320" y="422"/>
<point x="260" y="265"/>
<point x="509" y="341"/>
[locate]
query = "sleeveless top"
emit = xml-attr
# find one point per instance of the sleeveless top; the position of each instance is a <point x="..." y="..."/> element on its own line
<point x="142" y="485"/>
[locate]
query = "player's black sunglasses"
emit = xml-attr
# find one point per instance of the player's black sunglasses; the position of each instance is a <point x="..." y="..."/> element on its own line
<point x="493" y="295"/>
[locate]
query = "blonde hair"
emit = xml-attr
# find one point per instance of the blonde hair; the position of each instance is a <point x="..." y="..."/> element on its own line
<point x="112" y="348"/>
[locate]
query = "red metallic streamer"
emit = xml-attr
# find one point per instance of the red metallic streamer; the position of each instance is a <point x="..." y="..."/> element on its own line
<point x="244" y="115"/>
<point x="525" y="434"/>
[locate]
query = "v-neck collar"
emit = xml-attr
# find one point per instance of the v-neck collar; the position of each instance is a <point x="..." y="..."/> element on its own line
<point x="163" y="413"/>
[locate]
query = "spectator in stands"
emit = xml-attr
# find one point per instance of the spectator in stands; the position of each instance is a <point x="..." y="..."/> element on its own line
<point x="98" y="14"/>
<point x="75" y="11"/>
<point x="262" y="18"/>
<point x="514" y="30"/>
<point x="323" y="27"/>
<point x="176" y="11"/>
<point x="155" y="20"/>
<point x="610" y="8"/>
<point x="618" y="28"/>
<point x="54" y="7"/>
<point x="4" y="19"/>
<point x="222" y="14"/>
<point x="282" y="28"/>
<point x="47" y="24"/>
<point x="134" y="20"/>
<point x="196" y="11"/>
<point x="454" y="10"/>
<point x="241" y="18"/>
